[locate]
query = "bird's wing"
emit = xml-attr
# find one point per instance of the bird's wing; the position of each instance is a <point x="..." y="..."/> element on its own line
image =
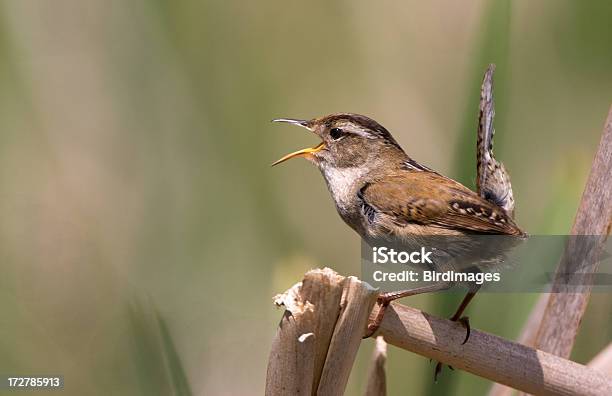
<point x="428" y="198"/>
<point x="492" y="181"/>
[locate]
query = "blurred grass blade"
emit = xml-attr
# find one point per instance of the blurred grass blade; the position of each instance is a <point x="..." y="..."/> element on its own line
<point x="157" y="363"/>
<point x="177" y="373"/>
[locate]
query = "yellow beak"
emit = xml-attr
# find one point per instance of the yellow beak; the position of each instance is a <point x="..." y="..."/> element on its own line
<point x="301" y="153"/>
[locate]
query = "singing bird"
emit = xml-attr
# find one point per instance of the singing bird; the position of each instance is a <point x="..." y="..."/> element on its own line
<point x="379" y="191"/>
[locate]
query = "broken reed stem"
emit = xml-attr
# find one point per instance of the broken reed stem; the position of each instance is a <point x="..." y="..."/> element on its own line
<point x="319" y="335"/>
<point x="358" y="298"/>
<point x="564" y="311"/>
<point x="489" y="356"/>
<point x="377" y="380"/>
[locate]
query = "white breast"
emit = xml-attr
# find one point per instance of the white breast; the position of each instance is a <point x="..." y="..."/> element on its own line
<point x="343" y="184"/>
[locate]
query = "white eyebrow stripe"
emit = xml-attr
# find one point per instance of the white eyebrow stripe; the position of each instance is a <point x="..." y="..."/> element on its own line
<point x="362" y="132"/>
<point x="358" y="130"/>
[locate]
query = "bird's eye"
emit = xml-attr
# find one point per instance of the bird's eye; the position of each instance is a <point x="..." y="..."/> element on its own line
<point x="336" y="133"/>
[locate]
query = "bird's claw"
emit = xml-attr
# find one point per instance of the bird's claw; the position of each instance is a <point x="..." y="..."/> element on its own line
<point x="465" y="321"/>
<point x="372" y="327"/>
<point x="437" y="371"/>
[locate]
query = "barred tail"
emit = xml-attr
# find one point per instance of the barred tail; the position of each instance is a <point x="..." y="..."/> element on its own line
<point x="493" y="182"/>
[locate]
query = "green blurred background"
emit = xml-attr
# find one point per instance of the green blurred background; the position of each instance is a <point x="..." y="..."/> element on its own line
<point x="143" y="232"/>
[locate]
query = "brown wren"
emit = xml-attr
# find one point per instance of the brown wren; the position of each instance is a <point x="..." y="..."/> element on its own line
<point x="379" y="190"/>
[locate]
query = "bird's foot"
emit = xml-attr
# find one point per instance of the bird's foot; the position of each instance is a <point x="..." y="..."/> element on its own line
<point x="438" y="370"/>
<point x="383" y="302"/>
<point x="465" y="321"/>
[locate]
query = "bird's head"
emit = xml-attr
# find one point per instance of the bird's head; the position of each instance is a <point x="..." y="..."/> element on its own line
<point x="347" y="141"/>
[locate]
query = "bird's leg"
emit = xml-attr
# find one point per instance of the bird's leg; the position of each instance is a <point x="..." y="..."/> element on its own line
<point x="464" y="320"/>
<point x="384" y="299"/>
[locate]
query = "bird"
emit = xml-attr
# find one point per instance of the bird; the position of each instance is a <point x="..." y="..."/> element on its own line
<point x="381" y="192"/>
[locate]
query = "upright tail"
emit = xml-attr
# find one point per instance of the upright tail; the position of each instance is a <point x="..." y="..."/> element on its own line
<point x="493" y="182"/>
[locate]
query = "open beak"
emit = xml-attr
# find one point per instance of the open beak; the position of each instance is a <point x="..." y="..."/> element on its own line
<point x="300" y="153"/>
